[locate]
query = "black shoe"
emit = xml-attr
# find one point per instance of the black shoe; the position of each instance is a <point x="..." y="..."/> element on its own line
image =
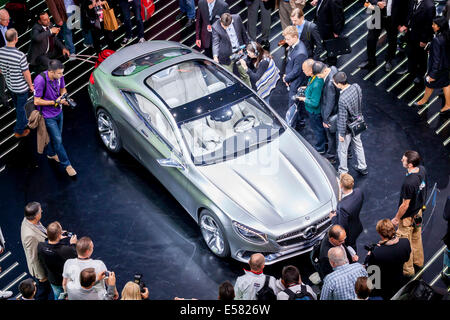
<point x="417" y="269"/>
<point x="388" y="67"/>
<point x="445" y="113"/>
<point x="321" y="152"/>
<point x="330" y="156"/>
<point x="349" y="155"/>
<point x="266" y="45"/>
<point x="367" y="65"/>
<point x="362" y="172"/>
<point x="180" y="16"/>
<point x="332" y="160"/>
<point x="189" y="23"/>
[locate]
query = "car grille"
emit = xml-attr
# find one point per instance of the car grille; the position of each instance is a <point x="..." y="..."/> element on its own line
<point x="298" y="236"/>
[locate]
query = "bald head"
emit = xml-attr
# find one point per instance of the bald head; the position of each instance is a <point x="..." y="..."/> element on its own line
<point x="337" y="235"/>
<point x="4" y="17"/>
<point x="256" y="262"/>
<point x="307" y="67"/>
<point x="11" y="35"/>
<point x="337" y="257"/>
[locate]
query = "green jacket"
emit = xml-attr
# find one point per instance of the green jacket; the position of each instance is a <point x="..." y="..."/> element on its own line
<point x="313" y="93"/>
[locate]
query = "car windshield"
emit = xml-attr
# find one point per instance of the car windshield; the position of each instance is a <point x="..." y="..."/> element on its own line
<point x="230" y="131"/>
<point x="143" y="62"/>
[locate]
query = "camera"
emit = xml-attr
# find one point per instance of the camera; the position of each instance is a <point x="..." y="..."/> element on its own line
<point x="300" y="93"/>
<point x="71" y="102"/>
<point x="370" y="247"/>
<point x="106" y="274"/>
<point x="138" y="280"/>
<point x="236" y="56"/>
<point x="67" y="234"/>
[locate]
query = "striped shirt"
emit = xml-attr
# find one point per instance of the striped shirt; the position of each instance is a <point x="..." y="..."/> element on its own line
<point x="12" y="64"/>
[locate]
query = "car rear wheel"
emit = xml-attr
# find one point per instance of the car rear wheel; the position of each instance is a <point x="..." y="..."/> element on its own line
<point x="213" y="234"/>
<point x="107" y="129"/>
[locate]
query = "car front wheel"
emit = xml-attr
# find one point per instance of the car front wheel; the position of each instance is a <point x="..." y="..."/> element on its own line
<point x="107" y="129"/>
<point x="213" y="234"/>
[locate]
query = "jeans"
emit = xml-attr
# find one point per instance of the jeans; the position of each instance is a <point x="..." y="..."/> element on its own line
<point x="358" y="151"/>
<point x="315" y="121"/>
<point x="57" y="290"/>
<point x="54" y="128"/>
<point x="331" y="139"/>
<point x="136" y="6"/>
<point x="86" y="32"/>
<point x="67" y="34"/>
<point x="188" y="7"/>
<point x="19" y="101"/>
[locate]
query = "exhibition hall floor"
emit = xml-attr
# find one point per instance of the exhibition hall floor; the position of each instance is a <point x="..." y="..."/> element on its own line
<point x="138" y="227"/>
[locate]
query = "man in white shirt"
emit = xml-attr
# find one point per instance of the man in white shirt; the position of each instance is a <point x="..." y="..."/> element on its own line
<point x="253" y="280"/>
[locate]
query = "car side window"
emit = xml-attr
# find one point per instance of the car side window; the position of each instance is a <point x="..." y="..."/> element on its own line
<point x="156" y="119"/>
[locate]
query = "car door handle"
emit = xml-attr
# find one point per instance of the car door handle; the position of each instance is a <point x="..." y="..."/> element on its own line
<point x="144" y="133"/>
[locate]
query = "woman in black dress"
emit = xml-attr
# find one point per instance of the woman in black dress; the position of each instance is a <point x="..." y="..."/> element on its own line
<point x="389" y="255"/>
<point x="438" y="64"/>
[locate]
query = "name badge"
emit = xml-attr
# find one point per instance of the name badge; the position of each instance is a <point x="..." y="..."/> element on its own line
<point x="209" y="28"/>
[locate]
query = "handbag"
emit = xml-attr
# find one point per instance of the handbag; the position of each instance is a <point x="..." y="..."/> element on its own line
<point x="109" y="18"/>
<point x="147" y="9"/>
<point x="358" y="125"/>
<point x="333" y="123"/>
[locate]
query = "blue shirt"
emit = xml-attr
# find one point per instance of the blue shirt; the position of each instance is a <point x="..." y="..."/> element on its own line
<point x="300" y="29"/>
<point x="3" y="31"/>
<point x="340" y="284"/>
<point x="233" y="36"/>
<point x="211" y="7"/>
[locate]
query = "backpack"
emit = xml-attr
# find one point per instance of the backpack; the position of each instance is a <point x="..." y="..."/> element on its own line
<point x="303" y="294"/>
<point x="266" y="293"/>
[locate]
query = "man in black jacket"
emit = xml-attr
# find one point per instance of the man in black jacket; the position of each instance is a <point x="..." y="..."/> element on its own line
<point x="208" y="12"/>
<point x="391" y="15"/>
<point x="336" y="237"/>
<point x="348" y="209"/>
<point x="266" y="7"/>
<point x="53" y="254"/>
<point x="45" y="44"/>
<point x="330" y="20"/>
<point x="329" y="109"/>
<point x="419" y="32"/>
<point x="228" y="36"/>
<point x="309" y="34"/>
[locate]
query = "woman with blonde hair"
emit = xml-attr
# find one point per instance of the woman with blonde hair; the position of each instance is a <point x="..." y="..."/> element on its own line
<point x="132" y="291"/>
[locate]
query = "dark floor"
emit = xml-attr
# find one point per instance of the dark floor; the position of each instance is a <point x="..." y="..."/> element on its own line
<point x="137" y="226"/>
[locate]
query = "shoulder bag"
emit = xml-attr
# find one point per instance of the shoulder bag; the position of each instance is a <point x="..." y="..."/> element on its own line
<point x="109" y="18"/>
<point x="358" y="125"/>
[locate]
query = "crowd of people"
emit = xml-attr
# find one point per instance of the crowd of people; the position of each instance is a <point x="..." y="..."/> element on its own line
<point x="61" y="265"/>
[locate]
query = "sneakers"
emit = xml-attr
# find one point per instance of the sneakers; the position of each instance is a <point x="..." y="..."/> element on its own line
<point x="141" y="40"/>
<point x="388" y="67"/>
<point x="125" y="41"/>
<point x="72" y="57"/>
<point x="180" y="16"/>
<point x="189" y="23"/>
<point x="88" y="45"/>
<point x="367" y="65"/>
<point x="5" y="294"/>
<point x="71" y="171"/>
<point x="23" y="134"/>
<point x="55" y="157"/>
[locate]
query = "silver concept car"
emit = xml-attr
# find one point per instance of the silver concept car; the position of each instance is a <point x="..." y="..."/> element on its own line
<point x="251" y="182"/>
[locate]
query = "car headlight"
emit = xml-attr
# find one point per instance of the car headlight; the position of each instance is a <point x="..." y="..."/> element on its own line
<point x="249" y="234"/>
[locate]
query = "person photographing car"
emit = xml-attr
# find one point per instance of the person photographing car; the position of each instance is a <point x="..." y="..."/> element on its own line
<point x="49" y="96"/>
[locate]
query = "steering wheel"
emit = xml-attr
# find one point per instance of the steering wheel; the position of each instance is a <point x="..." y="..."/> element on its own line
<point x="241" y="128"/>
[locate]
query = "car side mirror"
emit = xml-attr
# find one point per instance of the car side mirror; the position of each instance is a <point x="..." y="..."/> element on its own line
<point x="171" y="163"/>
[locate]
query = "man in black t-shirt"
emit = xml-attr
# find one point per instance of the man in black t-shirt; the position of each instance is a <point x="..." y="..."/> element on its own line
<point x="412" y="200"/>
<point x="53" y="253"/>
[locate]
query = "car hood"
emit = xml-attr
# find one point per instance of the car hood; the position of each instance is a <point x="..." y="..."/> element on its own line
<point x="277" y="183"/>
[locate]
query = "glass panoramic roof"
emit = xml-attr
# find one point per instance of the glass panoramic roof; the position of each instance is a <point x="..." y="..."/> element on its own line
<point x="143" y="62"/>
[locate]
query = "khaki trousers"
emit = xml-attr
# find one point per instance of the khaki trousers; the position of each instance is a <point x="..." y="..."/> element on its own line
<point x="414" y="235"/>
<point x="242" y="73"/>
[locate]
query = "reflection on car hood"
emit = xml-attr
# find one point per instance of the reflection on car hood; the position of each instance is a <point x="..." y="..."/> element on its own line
<point x="277" y="183"/>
